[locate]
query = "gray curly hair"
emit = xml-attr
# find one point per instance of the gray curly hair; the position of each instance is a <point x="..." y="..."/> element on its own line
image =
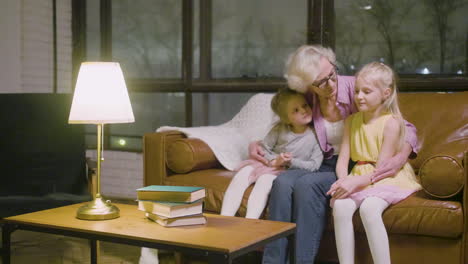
<point x="302" y="66"/>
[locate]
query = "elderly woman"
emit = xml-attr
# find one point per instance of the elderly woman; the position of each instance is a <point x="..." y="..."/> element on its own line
<point x="299" y="196"/>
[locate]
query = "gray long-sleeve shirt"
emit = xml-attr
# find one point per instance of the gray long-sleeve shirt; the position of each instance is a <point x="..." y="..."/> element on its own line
<point x="305" y="150"/>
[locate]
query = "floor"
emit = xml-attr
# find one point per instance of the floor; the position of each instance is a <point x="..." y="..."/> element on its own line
<point x="33" y="247"/>
<point x="40" y="248"/>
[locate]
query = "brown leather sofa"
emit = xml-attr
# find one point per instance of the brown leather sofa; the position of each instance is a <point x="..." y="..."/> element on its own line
<point x="428" y="227"/>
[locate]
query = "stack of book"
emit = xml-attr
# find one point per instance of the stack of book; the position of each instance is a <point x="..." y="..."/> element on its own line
<point x="172" y="205"/>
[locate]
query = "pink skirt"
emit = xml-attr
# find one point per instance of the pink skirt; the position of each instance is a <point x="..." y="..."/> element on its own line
<point x="391" y="194"/>
<point x="259" y="169"/>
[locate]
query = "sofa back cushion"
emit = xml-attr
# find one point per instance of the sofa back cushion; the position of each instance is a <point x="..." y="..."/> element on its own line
<point x="441" y="120"/>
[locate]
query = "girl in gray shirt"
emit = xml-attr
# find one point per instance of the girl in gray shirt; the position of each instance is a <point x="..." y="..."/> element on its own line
<point x="290" y="144"/>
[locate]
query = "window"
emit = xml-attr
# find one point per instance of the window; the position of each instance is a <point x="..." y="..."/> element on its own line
<point x="251" y="39"/>
<point x="414" y="37"/>
<point x="151" y="110"/>
<point x="147" y="38"/>
<point x="196" y="62"/>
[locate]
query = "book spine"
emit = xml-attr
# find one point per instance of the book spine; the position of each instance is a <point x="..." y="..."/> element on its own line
<point x="164" y="197"/>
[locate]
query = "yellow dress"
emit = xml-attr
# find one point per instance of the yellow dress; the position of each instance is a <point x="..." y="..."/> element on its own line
<point x="365" y="145"/>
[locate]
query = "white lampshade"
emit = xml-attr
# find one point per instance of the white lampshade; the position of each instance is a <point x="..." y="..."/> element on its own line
<point x="101" y="95"/>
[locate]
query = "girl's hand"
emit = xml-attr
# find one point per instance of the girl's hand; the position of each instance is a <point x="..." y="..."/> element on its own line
<point x="348" y="185"/>
<point x="335" y="186"/>
<point x="282" y="160"/>
<point x="256" y="152"/>
<point x="286" y="156"/>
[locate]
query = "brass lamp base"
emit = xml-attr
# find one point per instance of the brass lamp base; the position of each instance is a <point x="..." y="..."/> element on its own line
<point x="98" y="210"/>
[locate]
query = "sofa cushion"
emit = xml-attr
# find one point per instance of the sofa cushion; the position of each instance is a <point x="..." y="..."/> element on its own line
<point x="190" y="154"/>
<point x="418" y="215"/>
<point x="441" y="176"/>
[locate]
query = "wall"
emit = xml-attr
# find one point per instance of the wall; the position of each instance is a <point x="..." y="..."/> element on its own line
<point x="121" y="173"/>
<point x="26" y="66"/>
<point x="10" y="24"/>
<point x="26" y="48"/>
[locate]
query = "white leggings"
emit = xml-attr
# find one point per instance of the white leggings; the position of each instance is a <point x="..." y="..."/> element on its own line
<point x="148" y="256"/>
<point x="371" y="214"/>
<point x="258" y="197"/>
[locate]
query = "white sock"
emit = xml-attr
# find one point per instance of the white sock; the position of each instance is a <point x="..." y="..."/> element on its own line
<point x="148" y="256"/>
<point x="343" y="211"/>
<point x="233" y="196"/>
<point x="259" y="196"/>
<point x="371" y="214"/>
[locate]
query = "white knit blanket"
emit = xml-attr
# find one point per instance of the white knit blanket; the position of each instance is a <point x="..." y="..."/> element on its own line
<point x="230" y="141"/>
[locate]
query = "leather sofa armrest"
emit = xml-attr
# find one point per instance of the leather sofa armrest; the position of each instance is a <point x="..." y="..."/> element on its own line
<point x="465" y="203"/>
<point x="442" y="175"/>
<point x="155" y="145"/>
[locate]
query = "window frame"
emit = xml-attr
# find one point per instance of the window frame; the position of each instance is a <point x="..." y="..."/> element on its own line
<point x="320" y="30"/>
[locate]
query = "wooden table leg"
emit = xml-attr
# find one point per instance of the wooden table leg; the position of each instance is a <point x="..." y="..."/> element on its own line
<point x="6" y="243"/>
<point x="292" y="248"/>
<point x="219" y="259"/>
<point x="95" y="249"/>
<point x="178" y="258"/>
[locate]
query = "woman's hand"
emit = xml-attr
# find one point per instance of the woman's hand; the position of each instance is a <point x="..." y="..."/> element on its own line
<point x="256" y="152"/>
<point x="327" y="91"/>
<point x="391" y="166"/>
<point x="327" y="96"/>
<point x="343" y="187"/>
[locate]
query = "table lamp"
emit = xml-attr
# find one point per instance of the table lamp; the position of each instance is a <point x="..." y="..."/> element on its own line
<point x="100" y="98"/>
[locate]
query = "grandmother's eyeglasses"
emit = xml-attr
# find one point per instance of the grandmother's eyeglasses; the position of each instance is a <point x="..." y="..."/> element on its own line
<point x="331" y="76"/>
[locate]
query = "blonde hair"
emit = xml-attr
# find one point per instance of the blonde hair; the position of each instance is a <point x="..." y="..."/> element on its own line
<point x="303" y="65"/>
<point x="382" y="76"/>
<point x="279" y="103"/>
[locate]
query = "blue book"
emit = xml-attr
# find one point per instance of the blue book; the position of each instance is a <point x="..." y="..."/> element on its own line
<point x="165" y="193"/>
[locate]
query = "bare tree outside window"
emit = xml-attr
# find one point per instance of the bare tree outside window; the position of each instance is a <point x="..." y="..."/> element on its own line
<point x="405" y="34"/>
<point x="439" y="12"/>
<point x="146" y="37"/>
<point x="251" y="39"/>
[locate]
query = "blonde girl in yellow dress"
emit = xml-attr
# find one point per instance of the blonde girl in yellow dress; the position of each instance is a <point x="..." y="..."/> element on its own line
<point x="372" y="135"/>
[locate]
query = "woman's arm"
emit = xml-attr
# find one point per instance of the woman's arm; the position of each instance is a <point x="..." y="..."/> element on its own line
<point x="256" y="152"/>
<point x="270" y="141"/>
<point x="256" y="148"/>
<point x="411" y="139"/>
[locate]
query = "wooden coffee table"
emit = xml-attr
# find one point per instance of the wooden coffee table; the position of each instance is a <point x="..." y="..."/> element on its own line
<point x="222" y="239"/>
